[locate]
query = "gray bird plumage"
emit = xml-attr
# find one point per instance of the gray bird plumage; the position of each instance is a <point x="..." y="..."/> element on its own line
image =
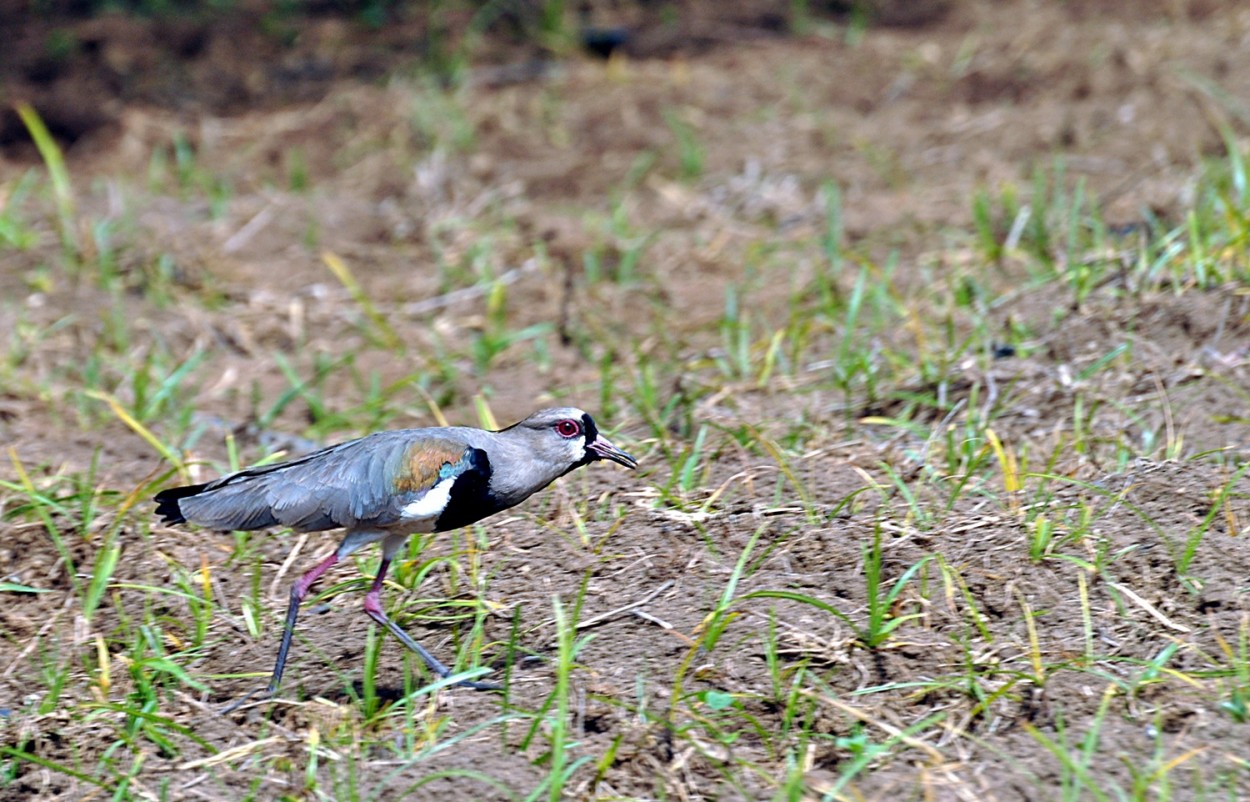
<point x="343" y="486"/>
<point x="388" y="485"/>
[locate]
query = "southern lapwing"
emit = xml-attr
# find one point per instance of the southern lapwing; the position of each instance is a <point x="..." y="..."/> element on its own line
<point x="389" y="485"/>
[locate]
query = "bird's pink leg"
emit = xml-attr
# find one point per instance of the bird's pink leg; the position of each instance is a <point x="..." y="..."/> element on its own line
<point x="373" y="606"/>
<point x="299" y="592"/>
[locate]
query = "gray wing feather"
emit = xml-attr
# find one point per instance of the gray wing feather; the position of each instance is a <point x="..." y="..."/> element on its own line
<point x="342" y="486"/>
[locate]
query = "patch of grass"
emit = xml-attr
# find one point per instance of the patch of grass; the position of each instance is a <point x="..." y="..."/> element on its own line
<point x="15" y="231"/>
<point x="691" y="153"/>
<point x="438" y="118"/>
<point x="894" y="502"/>
<point x="58" y="174"/>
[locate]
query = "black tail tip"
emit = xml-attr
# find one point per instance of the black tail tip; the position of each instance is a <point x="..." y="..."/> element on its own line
<point x="167" y="505"/>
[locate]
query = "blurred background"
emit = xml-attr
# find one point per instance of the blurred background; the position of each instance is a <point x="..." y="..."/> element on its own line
<point x="952" y="288"/>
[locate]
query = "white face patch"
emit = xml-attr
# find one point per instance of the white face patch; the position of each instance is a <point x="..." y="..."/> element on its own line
<point x="432" y="504"/>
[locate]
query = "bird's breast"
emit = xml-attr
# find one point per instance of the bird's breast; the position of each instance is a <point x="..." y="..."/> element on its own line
<point x="469" y="500"/>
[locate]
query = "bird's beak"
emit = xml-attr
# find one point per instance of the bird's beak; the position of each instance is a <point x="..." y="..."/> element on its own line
<point x="602" y="449"/>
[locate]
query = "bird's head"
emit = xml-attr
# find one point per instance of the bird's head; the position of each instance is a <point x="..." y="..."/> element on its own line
<point x="567" y="436"/>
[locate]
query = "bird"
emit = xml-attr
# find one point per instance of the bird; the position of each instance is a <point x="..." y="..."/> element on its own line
<point x="385" y="487"/>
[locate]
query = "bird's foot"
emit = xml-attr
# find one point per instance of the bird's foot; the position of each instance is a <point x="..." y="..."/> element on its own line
<point x="476" y="685"/>
<point x="265" y="693"/>
<point x="373" y="607"/>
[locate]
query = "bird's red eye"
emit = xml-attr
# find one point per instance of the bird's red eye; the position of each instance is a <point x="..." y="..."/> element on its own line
<point x="568" y="428"/>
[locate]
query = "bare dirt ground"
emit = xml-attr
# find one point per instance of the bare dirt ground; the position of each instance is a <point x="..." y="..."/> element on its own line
<point x="423" y="193"/>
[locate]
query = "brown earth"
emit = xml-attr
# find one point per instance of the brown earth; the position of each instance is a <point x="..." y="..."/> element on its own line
<point x="910" y="123"/>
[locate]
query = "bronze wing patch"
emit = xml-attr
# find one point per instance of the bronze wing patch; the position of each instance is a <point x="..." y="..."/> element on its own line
<point x="427" y="461"/>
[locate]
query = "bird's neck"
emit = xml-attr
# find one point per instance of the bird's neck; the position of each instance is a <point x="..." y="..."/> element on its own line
<point x="509" y="477"/>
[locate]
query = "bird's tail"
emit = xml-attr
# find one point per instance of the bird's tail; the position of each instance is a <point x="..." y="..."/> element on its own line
<point x="167" y="505"/>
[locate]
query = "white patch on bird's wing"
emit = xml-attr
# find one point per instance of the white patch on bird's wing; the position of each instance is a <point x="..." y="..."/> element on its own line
<point x="432" y="504"/>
